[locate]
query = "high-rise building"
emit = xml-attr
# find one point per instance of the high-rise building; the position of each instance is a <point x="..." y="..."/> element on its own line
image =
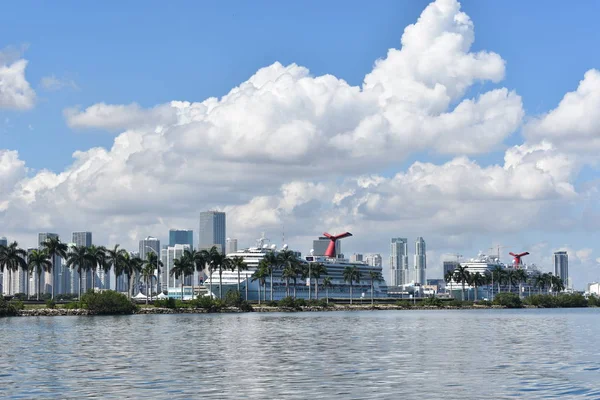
<point x="14" y="282"/>
<point x="374" y="260"/>
<point x="356" y="258"/>
<point x="561" y="266"/>
<point x="178" y="236"/>
<point x="420" y="262"/>
<point x="321" y="244"/>
<point x="231" y="246"/>
<point x="3" y="241"/>
<point x="399" y="261"/>
<point x="149" y="242"/>
<point x="168" y="257"/>
<point x="212" y="230"/>
<point x="449" y="266"/>
<point x="82" y="239"/>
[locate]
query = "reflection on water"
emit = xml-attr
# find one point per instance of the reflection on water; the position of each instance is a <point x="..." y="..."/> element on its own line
<point x="471" y="354"/>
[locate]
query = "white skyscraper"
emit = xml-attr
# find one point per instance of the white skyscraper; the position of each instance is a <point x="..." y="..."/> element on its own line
<point x="168" y="257"/>
<point x="399" y="274"/>
<point x="420" y="262"/>
<point x="356" y="258"/>
<point x="561" y="266"/>
<point x="374" y="260"/>
<point x="231" y="246"/>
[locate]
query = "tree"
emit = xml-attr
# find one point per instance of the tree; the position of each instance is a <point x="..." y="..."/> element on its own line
<point x="12" y="257"/>
<point x="288" y="273"/>
<point x="39" y="261"/>
<point x="476" y="280"/>
<point x="497" y="276"/>
<point x="97" y="256"/>
<point x="327" y="283"/>
<point x="271" y="262"/>
<point x="521" y="277"/>
<point x="318" y="269"/>
<point x="147" y="273"/>
<point x="351" y="275"/>
<point x="131" y="267"/>
<point x="557" y="284"/>
<point x="261" y="274"/>
<point x="288" y="262"/>
<point x="374" y="276"/>
<point x="511" y="277"/>
<point x="182" y="267"/>
<point x="156" y="264"/>
<point x="218" y="262"/>
<point x="79" y="258"/>
<point x="55" y="248"/>
<point x="461" y="275"/>
<point x="114" y="257"/>
<point x="238" y="264"/>
<point x="448" y="277"/>
<point x="539" y="281"/>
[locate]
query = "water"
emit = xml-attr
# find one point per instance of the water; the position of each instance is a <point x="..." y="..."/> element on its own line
<point x="470" y="354"/>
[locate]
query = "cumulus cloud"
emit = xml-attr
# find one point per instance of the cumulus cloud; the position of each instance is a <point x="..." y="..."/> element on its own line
<point x="575" y="124"/>
<point x="116" y="117"/>
<point x="15" y="92"/>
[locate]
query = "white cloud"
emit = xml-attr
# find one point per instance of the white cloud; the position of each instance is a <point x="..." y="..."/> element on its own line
<point x="52" y="83"/>
<point x="115" y="117"/>
<point x="15" y="92"/>
<point x="575" y="124"/>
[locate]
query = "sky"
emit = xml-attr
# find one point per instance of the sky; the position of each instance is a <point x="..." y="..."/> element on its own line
<point x="472" y="124"/>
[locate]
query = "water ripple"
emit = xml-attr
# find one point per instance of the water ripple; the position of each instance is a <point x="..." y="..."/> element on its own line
<point x="498" y="354"/>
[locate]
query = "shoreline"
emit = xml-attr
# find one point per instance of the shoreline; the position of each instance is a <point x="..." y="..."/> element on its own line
<point x="56" y="312"/>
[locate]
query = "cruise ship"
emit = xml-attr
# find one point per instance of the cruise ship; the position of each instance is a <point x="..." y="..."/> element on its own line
<point x="335" y="266"/>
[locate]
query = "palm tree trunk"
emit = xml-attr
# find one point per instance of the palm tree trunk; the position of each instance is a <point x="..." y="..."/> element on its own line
<point x="221" y="284"/>
<point x="239" y="290"/>
<point x="327" y="294"/>
<point x="316" y="288"/>
<point x="80" y="283"/>
<point x="246" y="286"/>
<point x="475" y="292"/>
<point x="9" y="281"/>
<point x="271" y="284"/>
<point x="147" y="291"/>
<point x="295" y="284"/>
<point x="463" y="291"/>
<point x="350" y="292"/>
<point x="182" y="279"/>
<point x="39" y="280"/>
<point x="372" y="301"/>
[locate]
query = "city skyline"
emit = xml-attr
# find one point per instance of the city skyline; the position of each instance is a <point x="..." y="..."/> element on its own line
<point x="340" y="124"/>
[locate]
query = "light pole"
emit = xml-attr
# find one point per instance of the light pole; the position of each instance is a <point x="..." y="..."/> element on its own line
<point x="157" y="272"/>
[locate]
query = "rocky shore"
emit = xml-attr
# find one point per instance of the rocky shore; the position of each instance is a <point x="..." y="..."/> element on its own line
<point x="50" y="312"/>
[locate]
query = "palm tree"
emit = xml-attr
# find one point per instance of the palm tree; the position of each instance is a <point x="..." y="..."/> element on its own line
<point x="539" y="281"/>
<point x="97" y="256"/>
<point x="39" y="261"/>
<point x="114" y="257"/>
<point x="318" y="269"/>
<point x="512" y="278"/>
<point x="327" y="283"/>
<point x="55" y="248"/>
<point x="497" y="276"/>
<point x="182" y="267"/>
<point x="147" y="274"/>
<point x="238" y="264"/>
<point x="557" y="284"/>
<point x="12" y="258"/>
<point x="131" y="267"/>
<point x="289" y="272"/>
<point x="476" y="280"/>
<point x="374" y="276"/>
<point x="272" y="262"/>
<point x="448" y="277"/>
<point x="219" y="262"/>
<point x="521" y="277"/>
<point x="461" y="275"/>
<point x="261" y="274"/>
<point x="156" y="264"/>
<point x="289" y="261"/>
<point x="78" y="257"/>
<point x="351" y="274"/>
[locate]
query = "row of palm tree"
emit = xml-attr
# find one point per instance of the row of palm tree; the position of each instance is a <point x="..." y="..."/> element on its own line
<point x="500" y="276"/>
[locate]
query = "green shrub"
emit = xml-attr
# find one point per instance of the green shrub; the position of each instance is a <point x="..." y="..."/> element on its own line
<point x="458" y="303"/>
<point x="288" y="302"/>
<point x="302" y="303"/>
<point x="508" y="300"/>
<point x="50" y="303"/>
<point x="17" y="304"/>
<point x="165" y="303"/>
<point x="66" y="297"/>
<point x="108" y="302"/>
<point x="404" y="303"/>
<point x="541" y="300"/>
<point x="432" y="302"/>
<point x="7" y="308"/>
<point x="484" y="303"/>
<point x="45" y="296"/>
<point x="208" y="304"/>
<point x="234" y="299"/>
<point x="593" y="301"/>
<point x="272" y="303"/>
<point x="313" y="303"/>
<point x="20" y="296"/>
<point x="74" y="305"/>
<point x="571" y="300"/>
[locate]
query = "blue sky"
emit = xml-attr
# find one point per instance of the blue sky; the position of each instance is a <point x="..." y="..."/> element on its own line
<point x="153" y="52"/>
